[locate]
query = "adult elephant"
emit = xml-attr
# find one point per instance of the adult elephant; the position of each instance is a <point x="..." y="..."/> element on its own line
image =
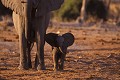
<point x="31" y="18"/>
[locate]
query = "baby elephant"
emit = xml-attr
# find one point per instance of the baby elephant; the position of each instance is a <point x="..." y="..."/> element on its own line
<point x="59" y="45"/>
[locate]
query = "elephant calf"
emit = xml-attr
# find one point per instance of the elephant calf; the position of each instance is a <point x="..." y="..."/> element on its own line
<point x="59" y="44"/>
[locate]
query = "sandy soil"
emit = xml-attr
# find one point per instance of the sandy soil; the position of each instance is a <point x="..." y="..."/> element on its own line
<point x="95" y="55"/>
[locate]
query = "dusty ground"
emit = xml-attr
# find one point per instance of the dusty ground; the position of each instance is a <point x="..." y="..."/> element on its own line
<point x="95" y="55"/>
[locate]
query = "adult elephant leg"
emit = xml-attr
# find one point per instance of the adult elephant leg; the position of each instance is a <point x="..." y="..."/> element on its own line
<point x="16" y="21"/>
<point x="23" y="45"/>
<point x="40" y="51"/>
<point x="29" y="47"/>
<point x="19" y="24"/>
<point x="42" y="23"/>
<point x="40" y="33"/>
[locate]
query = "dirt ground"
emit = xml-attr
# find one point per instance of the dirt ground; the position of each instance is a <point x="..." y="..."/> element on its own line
<point x="95" y="55"/>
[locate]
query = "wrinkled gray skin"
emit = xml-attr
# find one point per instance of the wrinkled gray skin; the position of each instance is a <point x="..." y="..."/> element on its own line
<point x="31" y="18"/>
<point x="59" y="47"/>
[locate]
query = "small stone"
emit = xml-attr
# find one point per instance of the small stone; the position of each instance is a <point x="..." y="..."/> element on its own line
<point x="76" y="60"/>
<point x="13" y="52"/>
<point x="98" y="69"/>
<point x="80" y="57"/>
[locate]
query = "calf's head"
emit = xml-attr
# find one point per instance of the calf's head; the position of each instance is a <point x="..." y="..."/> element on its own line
<point x="60" y="41"/>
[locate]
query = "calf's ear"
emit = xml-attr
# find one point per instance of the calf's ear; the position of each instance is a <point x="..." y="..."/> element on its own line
<point x="68" y="39"/>
<point x="50" y="38"/>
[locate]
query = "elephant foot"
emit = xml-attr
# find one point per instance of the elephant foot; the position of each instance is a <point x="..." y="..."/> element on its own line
<point x="60" y="67"/>
<point x="55" y="69"/>
<point x="39" y="67"/>
<point x="20" y="67"/>
<point x="30" y="65"/>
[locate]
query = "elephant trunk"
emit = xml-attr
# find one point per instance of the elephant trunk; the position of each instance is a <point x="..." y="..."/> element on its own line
<point x="28" y="18"/>
<point x="60" y="41"/>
